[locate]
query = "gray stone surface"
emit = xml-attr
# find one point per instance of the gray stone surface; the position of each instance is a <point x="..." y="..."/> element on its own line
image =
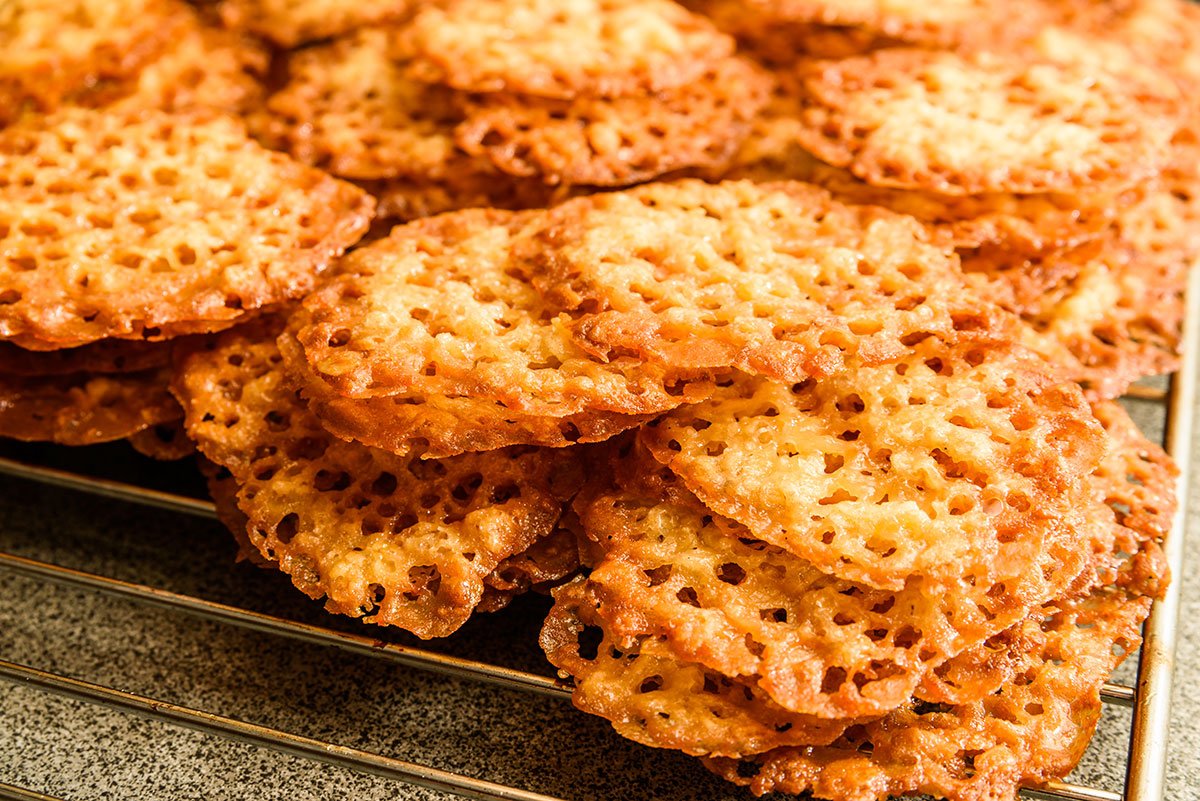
<point x="81" y="752"/>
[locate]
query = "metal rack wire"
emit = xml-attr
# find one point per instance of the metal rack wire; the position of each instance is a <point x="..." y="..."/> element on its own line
<point x="1149" y="699"/>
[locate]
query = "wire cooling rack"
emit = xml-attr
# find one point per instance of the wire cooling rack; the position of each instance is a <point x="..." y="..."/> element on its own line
<point x="1149" y="698"/>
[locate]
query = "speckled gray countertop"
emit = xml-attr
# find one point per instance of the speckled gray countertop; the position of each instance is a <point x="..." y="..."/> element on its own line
<point x="79" y="751"/>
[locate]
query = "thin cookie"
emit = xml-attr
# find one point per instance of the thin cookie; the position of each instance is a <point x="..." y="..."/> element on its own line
<point x="655" y="699"/>
<point x="551" y="48"/>
<point x="348" y="107"/>
<point x="1119" y="319"/>
<point x="53" y="49"/>
<point x="1018" y="280"/>
<point x="1018" y="223"/>
<point x="940" y="23"/>
<point x="1031" y="701"/>
<point x="781" y="43"/>
<point x="203" y="68"/>
<point x="104" y="356"/>
<point x="82" y="408"/>
<point x="289" y="23"/>
<point x="778" y="280"/>
<point x="146" y="225"/>
<point x="1135" y="482"/>
<point x="815" y="644"/>
<point x="1016" y="126"/>
<point x="617" y="141"/>
<point x="397" y="541"/>
<point x="437" y="426"/>
<point x="937" y="465"/>
<point x="441" y="307"/>
<point x="1032" y="731"/>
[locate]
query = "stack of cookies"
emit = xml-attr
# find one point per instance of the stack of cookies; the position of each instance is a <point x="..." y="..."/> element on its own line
<point x="134" y="212"/>
<point x="853" y="513"/>
<point x="778" y="340"/>
<point x="160" y="54"/>
<point x="123" y="230"/>
<point x="512" y="105"/>
<point x="1054" y="152"/>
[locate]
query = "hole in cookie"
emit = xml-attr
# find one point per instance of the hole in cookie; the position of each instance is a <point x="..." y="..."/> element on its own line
<point x="287" y="527"/>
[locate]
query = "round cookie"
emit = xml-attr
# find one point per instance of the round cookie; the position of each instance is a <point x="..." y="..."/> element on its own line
<point x="563" y="48"/>
<point x="617" y="141"/>
<point x="147" y="225"/>
<point x="203" y="68"/>
<point x="442" y="307"/>
<point x="53" y="49"/>
<point x="964" y="124"/>
<point x="399" y="541"/>
<point x="289" y="23"/>
<point x="1026" y="223"/>
<point x="349" y="107"/>
<point x="933" y="465"/>
<point x="778" y="280"/>
<point x="656" y="699"/>
<point x="83" y="408"/>
<point x="669" y="568"/>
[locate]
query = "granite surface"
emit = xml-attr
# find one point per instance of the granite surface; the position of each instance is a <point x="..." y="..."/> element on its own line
<point x="78" y="751"/>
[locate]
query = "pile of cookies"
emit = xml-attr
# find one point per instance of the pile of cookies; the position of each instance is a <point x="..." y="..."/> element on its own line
<point x="779" y="341"/>
<point x="126" y="229"/>
<point x="515" y="104"/>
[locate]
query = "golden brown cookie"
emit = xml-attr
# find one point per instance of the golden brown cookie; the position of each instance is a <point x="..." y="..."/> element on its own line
<point x="815" y="644"/>
<point x="167" y="442"/>
<point x="437" y="426"/>
<point x="617" y="141"/>
<point x="399" y="541"/>
<point x="936" y="465"/>
<point x="145" y="225"/>
<point x="1089" y="45"/>
<point x="780" y="43"/>
<point x="1166" y="224"/>
<point x="655" y="699"/>
<point x="1020" y="710"/>
<point x="1033" y="731"/>
<point x="1137" y="482"/>
<point x="1141" y="36"/>
<point x="1134" y="492"/>
<point x="349" y="107"/>
<point x="1118" y="319"/>
<point x="202" y="67"/>
<point x="352" y="107"/>
<point x="1019" y="280"/>
<point x="52" y="49"/>
<point x="288" y="23"/>
<point x="777" y="280"/>
<point x="441" y="307"/>
<point x="962" y="124"/>
<point x="104" y="356"/>
<point x="1025" y="223"/>
<point x="84" y="408"/>
<point x="936" y="23"/>
<point x="563" y="49"/>
<point x="1112" y="310"/>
